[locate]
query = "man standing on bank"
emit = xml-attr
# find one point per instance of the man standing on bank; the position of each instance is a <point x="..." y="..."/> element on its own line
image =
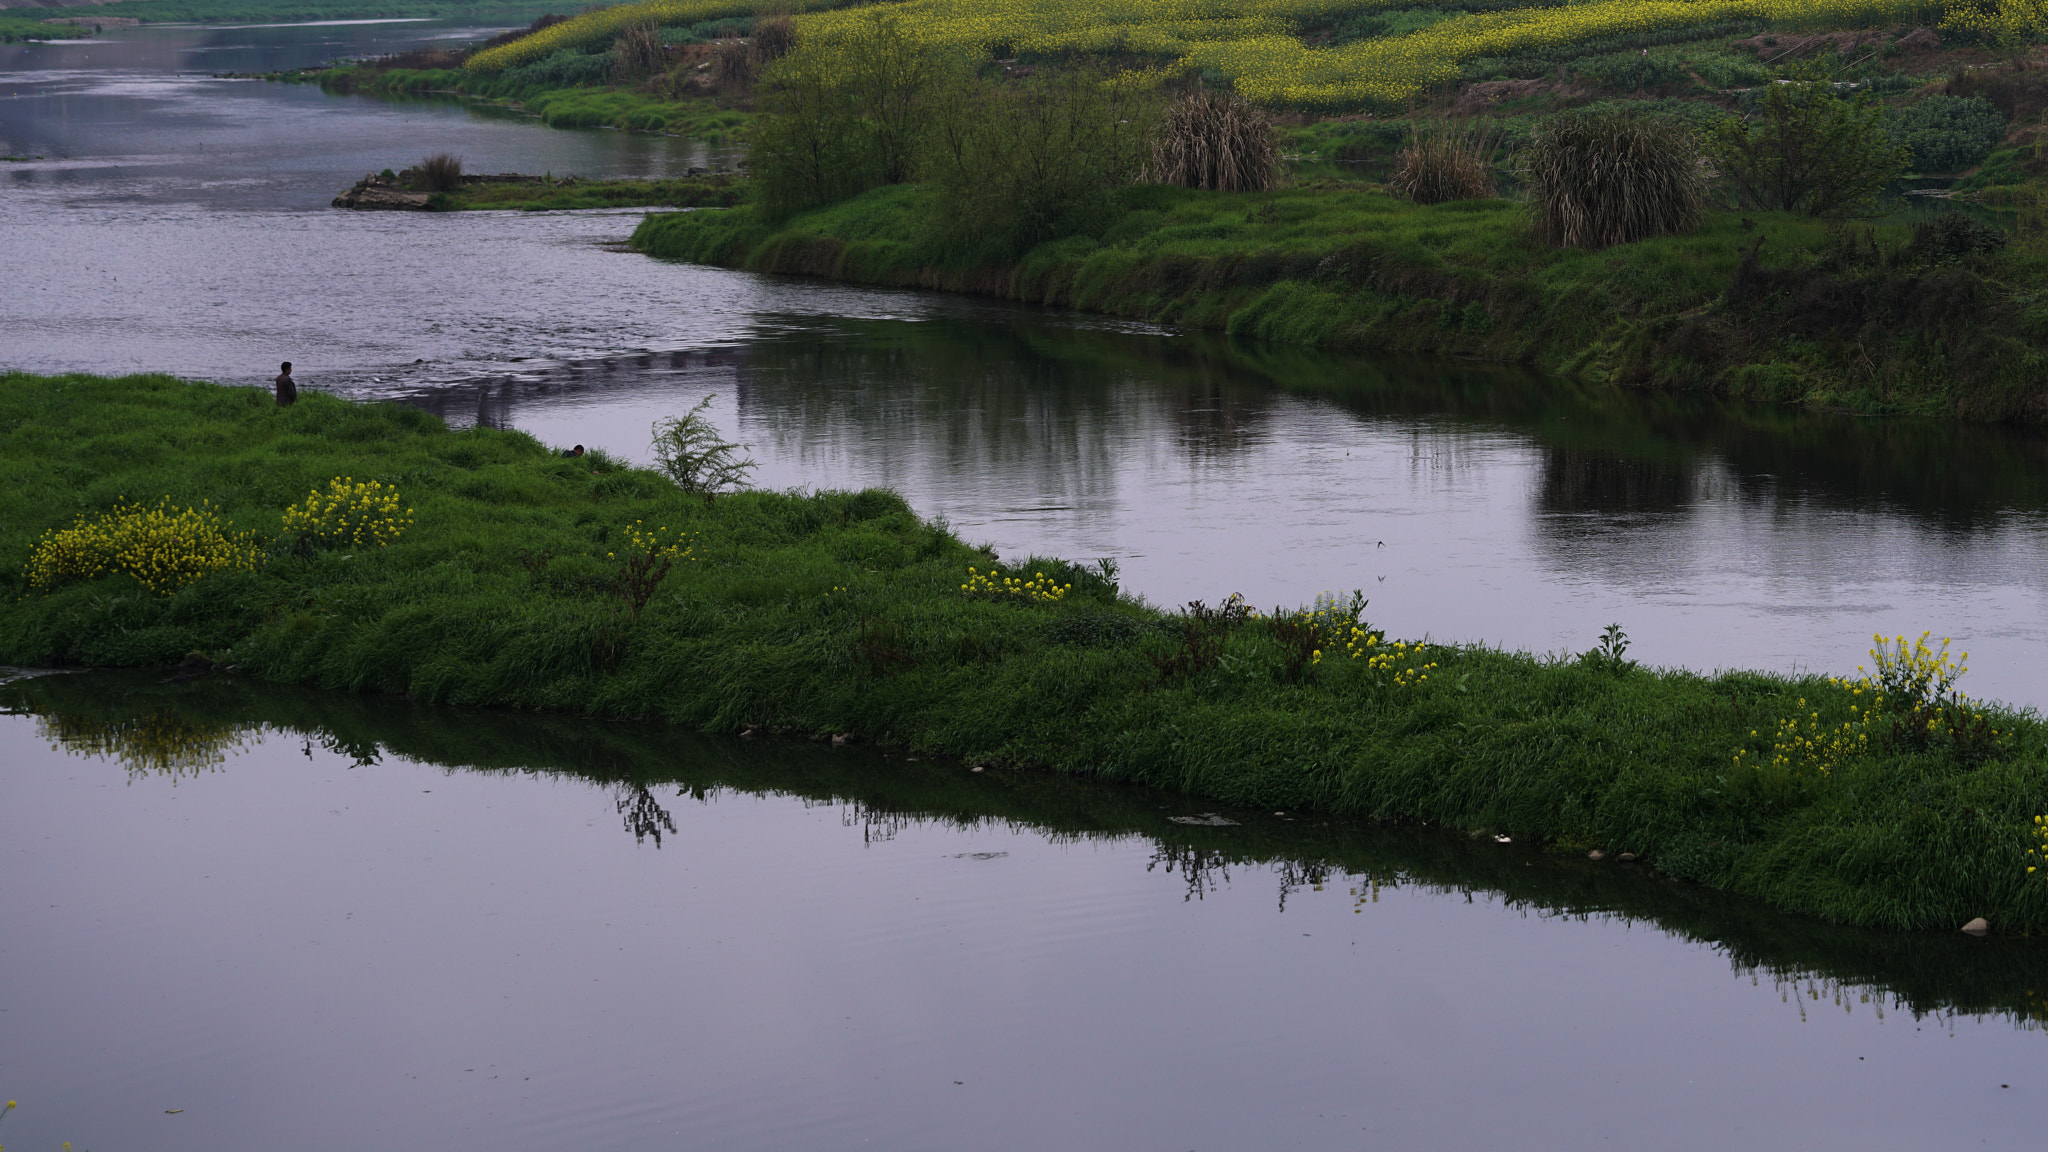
<point x="287" y="392"/>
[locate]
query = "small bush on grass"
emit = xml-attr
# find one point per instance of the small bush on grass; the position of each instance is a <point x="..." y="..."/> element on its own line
<point x="696" y="457"/>
<point x="1610" y="177"/>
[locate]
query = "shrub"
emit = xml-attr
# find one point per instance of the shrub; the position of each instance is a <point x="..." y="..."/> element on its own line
<point x="441" y="173"/>
<point x="348" y="515"/>
<point x="1807" y="149"/>
<point x="695" y="456"/>
<point x="841" y="116"/>
<point x="774" y="37"/>
<point x="1610" y="177"/>
<point x="1444" y="162"/>
<point x="1013" y="165"/>
<point x="1946" y="133"/>
<point x="1218" y="141"/>
<point x="163" y="548"/>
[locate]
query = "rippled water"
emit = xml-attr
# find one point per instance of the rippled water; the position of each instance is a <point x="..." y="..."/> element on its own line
<point x="316" y="922"/>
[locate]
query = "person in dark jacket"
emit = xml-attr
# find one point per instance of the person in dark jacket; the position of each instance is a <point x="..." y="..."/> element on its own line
<point x="287" y="392"/>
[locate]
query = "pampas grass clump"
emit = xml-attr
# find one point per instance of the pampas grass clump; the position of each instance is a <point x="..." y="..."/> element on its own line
<point x="1603" y="178"/>
<point x="1218" y="141"/>
<point x="441" y="173"/>
<point x="1444" y="162"/>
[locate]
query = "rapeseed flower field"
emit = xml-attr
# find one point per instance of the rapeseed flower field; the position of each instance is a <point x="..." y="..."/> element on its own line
<point x="1256" y="43"/>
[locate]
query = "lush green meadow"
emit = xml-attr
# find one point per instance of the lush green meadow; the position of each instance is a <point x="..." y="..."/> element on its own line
<point x="519" y="583"/>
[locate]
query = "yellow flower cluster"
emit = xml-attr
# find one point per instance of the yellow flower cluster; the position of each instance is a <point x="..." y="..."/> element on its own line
<point x="1396" y="661"/>
<point x="1999" y="22"/>
<point x="163" y="547"/>
<point x="349" y="515"/>
<point x="2039" y="851"/>
<point x="656" y="543"/>
<point x="602" y="24"/>
<point x="1038" y="589"/>
<point x="1809" y="744"/>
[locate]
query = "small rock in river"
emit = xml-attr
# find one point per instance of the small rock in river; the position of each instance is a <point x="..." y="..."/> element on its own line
<point x="1596" y="854"/>
<point x="1206" y="819"/>
<point x="1977" y="927"/>
<point x="1503" y="840"/>
<point x="1626" y="856"/>
<point x="977" y="768"/>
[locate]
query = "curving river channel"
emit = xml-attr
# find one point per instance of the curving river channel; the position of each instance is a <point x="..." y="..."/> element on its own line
<point x="237" y="917"/>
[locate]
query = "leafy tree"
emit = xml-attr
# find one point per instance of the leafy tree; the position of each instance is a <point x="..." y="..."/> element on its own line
<point x="1011" y="165"/>
<point x="841" y="116"/>
<point x="1808" y="149"/>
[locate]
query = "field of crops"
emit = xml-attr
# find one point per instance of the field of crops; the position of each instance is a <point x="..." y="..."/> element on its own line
<point x="1255" y="43"/>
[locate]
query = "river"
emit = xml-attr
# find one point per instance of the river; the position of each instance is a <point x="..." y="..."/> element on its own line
<point x="238" y="918"/>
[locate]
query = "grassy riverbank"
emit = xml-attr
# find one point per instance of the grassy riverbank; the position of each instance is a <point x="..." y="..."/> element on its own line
<point x="557" y="101"/>
<point x="844" y="613"/>
<point x="508" y="192"/>
<point x="1758" y="305"/>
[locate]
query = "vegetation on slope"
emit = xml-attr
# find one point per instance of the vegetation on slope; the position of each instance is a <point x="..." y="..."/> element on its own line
<point x="1763" y="306"/>
<point x="526" y="579"/>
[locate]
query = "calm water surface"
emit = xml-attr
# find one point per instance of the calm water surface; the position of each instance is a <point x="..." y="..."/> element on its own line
<point x="324" y="922"/>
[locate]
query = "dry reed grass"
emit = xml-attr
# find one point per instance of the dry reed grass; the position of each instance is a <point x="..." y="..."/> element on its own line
<point x="1218" y="141"/>
<point x="1444" y="161"/>
<point x="441" y="173"/>
<point x="637" y="54"/>
<point x="1604" y="178"/>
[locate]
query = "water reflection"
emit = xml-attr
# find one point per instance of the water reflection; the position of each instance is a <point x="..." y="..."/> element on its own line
<point x="647" y="770"/>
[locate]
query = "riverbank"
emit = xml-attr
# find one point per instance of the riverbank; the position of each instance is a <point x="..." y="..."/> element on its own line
<point x="508" y="191"/>
<point x="845" y="614"/>
<point x="553" y="102"/>
<point x="1937" y="320"/>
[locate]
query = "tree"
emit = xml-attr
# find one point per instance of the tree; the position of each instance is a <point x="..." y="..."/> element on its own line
<point x="1807" y="149"/>
<point x="1011" y="165"/>
<point x="840" y="115"/>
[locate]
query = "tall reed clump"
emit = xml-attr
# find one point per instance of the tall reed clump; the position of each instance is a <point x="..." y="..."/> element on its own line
<point x="1611" y="177"/>
<point x="441" y="173"/>
<point x="1218" y="141"/>
<point x="1444" y="162"/>
<point x="637" y="54"/>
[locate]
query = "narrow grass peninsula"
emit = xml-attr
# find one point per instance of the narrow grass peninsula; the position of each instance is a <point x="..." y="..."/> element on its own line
<point x="1765" y="306"/>
<point x="501" y="573"/>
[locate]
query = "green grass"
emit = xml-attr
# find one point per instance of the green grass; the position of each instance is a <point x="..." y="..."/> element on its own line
<point x="842" y="612"/>
<point x="541" y="194"/>
<point x="1344" y="265"/>
<point x="293" y="11"/>
<point x="13" y="28"/>
<point x="589" y="107"/>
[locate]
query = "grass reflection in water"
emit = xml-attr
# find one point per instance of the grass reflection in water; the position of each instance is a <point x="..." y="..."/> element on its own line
<point x="647" y="769"/>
